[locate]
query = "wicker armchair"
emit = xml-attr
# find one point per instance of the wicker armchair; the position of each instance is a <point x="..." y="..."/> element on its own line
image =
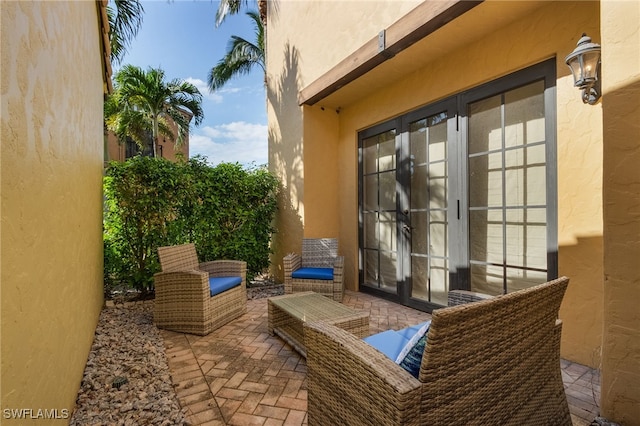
<point x="318" y="255"/>
<point x="496" y="361"/>
<point x="183" y="301"/>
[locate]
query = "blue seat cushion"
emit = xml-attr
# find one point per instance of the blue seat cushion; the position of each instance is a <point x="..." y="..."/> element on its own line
<point x="313" y="273"/>
<point x="218" y="285"/>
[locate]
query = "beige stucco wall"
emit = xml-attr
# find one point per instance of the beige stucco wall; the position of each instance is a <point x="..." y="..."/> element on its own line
<point x="621" y="118"/>
<point x="51" y="192"/>
<point x="548" y="29"/>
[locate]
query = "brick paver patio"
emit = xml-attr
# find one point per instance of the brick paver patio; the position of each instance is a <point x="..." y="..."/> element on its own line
<point x="240" y="375"/>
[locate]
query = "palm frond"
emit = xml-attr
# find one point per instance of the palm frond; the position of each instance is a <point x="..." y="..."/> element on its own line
<point x="226" y="8"/>
<point x="241" y="57"/>
<point x="125" y="19"/>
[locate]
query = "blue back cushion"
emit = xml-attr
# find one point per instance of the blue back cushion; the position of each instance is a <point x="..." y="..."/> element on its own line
<point x="411" y="362"/>
<point x="313" y="273"/>
<point x="410" y="357"/>
<point x="219" y="284"/>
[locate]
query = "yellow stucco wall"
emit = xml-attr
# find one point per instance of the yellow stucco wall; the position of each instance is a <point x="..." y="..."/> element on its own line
<point x="304" y="40"/>
<point x="621" y="181"/>
<point x="51" y="203"/>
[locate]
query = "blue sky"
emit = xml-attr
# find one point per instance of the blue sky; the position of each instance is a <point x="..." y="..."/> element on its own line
<point x="180" y="37"/>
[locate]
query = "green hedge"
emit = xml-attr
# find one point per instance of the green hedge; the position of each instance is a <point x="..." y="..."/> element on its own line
<point x="227" y="211"/>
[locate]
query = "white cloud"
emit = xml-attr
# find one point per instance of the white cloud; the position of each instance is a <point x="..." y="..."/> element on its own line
<point x="204" y="89"/>
<point x="239" y="141"/>
<point x="230" y="90"/>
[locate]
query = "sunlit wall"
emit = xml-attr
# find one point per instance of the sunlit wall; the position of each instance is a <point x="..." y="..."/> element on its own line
<point x="51" y="195"/>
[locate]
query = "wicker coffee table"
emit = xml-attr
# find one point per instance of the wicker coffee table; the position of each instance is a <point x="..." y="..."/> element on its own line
<point x="288" y="313"/>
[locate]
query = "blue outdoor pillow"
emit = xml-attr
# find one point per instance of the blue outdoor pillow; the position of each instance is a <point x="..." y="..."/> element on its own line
<point x="313" y="273"/>
<point x="218" y="285"/>
<point x="388" y="342"/>
<point x="410" y="357"/>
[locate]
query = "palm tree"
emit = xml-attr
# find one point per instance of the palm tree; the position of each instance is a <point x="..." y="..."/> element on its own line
<point x="143" y="102"/>
<point x="125" y="19"/>
<point x="226" y="8"/>
<point x="231" y="7"/>
<point x="242" y="56"/>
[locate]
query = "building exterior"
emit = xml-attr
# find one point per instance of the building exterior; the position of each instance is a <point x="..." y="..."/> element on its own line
<point x="53" y="84"/>
<point x="116" y="151"/>
<point x="444" y="143"/>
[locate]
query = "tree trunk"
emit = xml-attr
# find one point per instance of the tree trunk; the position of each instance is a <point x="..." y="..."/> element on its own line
<point x="262" y="8"/>
<point x="154" y="137"/>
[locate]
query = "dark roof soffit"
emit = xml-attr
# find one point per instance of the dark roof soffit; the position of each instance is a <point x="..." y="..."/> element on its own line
<point x="105" y="45"/>
<point x="425" y="19"/>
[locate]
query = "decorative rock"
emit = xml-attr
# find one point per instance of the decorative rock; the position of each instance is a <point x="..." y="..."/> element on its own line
<point x="128" y="345"/>
<point x="601" y="421"/>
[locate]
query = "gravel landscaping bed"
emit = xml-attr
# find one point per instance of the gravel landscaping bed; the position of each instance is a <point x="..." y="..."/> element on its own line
<point x="127" y="379"/>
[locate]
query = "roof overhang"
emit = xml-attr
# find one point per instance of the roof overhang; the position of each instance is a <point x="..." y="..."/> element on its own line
<point x="431" y="30"/>
<point x="417" y="24"/>
<point x="105" y="45"/>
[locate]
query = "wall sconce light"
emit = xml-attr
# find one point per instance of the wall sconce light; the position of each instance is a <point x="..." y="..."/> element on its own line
<point x="584" y="63"/>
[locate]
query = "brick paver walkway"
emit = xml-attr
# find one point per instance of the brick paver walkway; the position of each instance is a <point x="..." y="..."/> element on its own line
<point x="240" y="375"/>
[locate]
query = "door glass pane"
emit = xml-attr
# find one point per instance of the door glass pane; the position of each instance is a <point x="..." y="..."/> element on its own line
<point x="371" y="267"/>
<point x="379" y="211"/>
<point x="370" y="229"/>
<point x="438" y="142"/>
<point x="526" y="238"/>
<point x="485" y="180"/>
<point x="486" y="132"/>
<point x="487" y="279"/>
<point x="418" y="132"/>
<point x="387" y="152"/>
<point x="507" y="190"/>
<point x="438" y="185"/>
<point x="485" y="235"/>
<point x="420" y="277"/>
<point x="524" y="115"/>
<point x="370" y="156"/>
<point x="388" y="231"/>
<point x="428" y="215"/>
<point x="438" y="233"/>
<point x="388" y="268"/>
<point x="388" y="190"/>
<point x="521" y="278"/>
<point x="419" y="236"/>
<point x="370" y="192"/>
<point x="438" y="273"/>
<point x="525" y="176"/>
<point x="420" y="199"/>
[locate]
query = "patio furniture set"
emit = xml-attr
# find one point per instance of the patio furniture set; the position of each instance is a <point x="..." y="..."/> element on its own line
<point x="481" y="360"/>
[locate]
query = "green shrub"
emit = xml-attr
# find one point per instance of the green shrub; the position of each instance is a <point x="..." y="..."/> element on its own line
<point x="227" y="211"/>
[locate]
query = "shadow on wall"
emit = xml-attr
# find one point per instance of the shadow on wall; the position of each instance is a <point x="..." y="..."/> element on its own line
<point x="621" y="214"/>
<point x="286" y="160"/>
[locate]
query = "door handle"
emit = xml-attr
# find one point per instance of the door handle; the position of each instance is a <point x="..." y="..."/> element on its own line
<point x="407" y="228"/>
